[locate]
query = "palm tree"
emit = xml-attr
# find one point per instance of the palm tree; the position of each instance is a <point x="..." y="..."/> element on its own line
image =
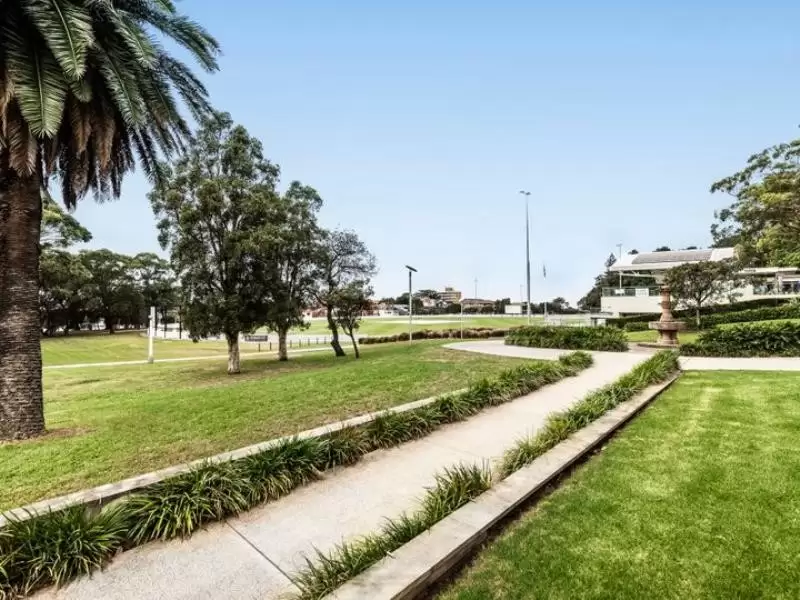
<point x="86" y="93"/>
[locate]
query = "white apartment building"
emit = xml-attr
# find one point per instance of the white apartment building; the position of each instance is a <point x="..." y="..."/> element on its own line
<point x="763" y="282"/>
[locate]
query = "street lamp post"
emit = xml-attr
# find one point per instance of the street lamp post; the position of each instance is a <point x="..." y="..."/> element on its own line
<point x="410" y="304"/>
<point x="527" y="252"/>
<point x="619" y="258"/>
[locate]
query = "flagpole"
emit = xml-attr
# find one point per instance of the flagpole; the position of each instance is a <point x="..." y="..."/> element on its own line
<point x="544" y="277"/>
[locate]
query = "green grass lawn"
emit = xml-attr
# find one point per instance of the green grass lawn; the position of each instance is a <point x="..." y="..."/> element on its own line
<point x="107" y="423"/>
<point x="698" y="498"/>
<point x="393" y="325"/>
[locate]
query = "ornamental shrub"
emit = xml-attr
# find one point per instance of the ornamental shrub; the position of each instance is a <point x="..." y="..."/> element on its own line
<point x="776" y="338"/>
<point x="569" y="338"/>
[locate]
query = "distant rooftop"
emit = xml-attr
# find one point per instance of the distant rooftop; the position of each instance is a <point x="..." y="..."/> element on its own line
<point x="661" y="261"/>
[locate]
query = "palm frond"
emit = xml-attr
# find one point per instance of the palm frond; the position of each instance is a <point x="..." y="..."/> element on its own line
<point x="66" y="27"/>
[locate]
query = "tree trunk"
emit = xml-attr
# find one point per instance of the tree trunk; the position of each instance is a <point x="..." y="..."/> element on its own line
<point x="337" y="347"/>
<point x="697" y="315"/>
<point x="355" y="345"/>
<point x="109" y="322"/>
<point x="283" y="354"/>
<point x="21" y="406"/>
<point x="234" y="366"/>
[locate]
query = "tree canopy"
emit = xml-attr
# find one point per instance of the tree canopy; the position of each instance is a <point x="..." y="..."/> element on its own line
<point x="763" y="222"/>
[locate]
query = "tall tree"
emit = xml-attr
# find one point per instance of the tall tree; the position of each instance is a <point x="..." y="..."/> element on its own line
<point x="59" y="228"/>
<point x="763" y="222"/>
<point x="290" y="246"/>
<point x="63" y="278"/>
<point x="111" y="287"/>
<point x="156" y="283"/>
<point x="85" y="90"/>
<point x="694" y="285"/>
<point x="342" y="259"/>
<point x="351" y="302"/>
<point x="214" y="205"/>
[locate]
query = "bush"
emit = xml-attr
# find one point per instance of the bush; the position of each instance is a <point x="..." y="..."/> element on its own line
<point x="713" y="309"/>
<point x="437" y="334"/>
<point x="636" y="326"/>
<point x="559" y="426"/>
<point x="789" y="310"/>
<point x="779" y="338"/>
<point x="569" y="338"/>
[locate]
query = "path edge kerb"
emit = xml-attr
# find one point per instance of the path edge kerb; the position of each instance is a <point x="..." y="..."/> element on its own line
<point x="412" y="570"/>
<point x="103" y="494"/>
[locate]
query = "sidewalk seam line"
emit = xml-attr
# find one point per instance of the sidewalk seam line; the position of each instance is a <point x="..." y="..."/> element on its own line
<point x="264" y="556"/>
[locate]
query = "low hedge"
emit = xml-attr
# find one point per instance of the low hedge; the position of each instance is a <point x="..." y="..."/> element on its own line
<point x="715" y="309"/>
<point x="559" y="426"/>
<point x="436" y="334"/>
<point x="56" y="547"/>
<point x="636" y="326"/>
<point x="790" y="310"/>
<point x="748" y="339"/>
<point x="569" y="338"/>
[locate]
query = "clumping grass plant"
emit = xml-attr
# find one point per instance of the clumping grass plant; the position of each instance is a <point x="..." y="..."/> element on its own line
<point x="571" y="338"/>
<point x="559" y="426"/>
<point x="453" y="488"/>
<point x="54" y="548"/>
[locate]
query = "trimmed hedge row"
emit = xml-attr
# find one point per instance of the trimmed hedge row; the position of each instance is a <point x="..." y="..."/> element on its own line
<point x="716" y="309"/>
<point x="324" y="574"/>
<point x="437" y="334"/>
<point x="56" y="547"/>
<point x="790" y="310"/>
<point x="559" y="426"/>
<point x="636" y="326"/>
<point x="569" y="338"/>
<point x="748" y="339"/>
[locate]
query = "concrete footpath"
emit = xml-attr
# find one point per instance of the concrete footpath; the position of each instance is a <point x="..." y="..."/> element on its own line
<point x="255" y="555"/>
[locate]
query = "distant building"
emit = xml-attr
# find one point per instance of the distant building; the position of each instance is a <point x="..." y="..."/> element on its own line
<point x="450" y="295"/>
<point x="762" y="282"/>
<point x="476" y="303"/>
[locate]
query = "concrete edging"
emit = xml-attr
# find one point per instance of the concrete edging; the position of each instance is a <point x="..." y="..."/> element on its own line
<point x="103" y="494"/>
<point x="420" y="564"/>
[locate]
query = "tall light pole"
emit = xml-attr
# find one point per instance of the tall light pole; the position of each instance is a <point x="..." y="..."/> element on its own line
<point x="410" y="305"/>
<point x="527" y="252"/>
<point x="619" y="258"/>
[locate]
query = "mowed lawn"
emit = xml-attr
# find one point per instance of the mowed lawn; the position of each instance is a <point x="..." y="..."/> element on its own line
<point x="108" y="423"/>
<point x="399" y="324"/>
<point x="122" y="346"/>
<point x="699" y="497"/>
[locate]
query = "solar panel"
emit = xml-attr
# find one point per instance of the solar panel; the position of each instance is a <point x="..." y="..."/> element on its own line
<point x="676" y="256"/>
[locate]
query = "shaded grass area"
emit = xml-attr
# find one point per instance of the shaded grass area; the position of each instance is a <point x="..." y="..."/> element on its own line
<point x="697" y="498"/>
<point x="110" y="423"/>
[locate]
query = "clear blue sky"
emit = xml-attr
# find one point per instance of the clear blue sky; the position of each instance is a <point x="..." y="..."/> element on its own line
<point x="419" y="122"/>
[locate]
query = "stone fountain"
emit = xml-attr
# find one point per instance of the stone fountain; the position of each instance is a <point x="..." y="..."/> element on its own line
<point x="667" y="326"/>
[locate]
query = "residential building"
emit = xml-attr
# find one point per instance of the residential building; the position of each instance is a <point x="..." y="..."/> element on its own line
<point x="450" y="296"/>
<point x="476" y="303"/>
<point x="760" y="282"/>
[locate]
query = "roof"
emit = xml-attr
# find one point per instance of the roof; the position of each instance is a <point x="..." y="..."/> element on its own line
<point x="661" y="261"/>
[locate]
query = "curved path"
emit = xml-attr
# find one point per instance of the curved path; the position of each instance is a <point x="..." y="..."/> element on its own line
<point x="255" y="555"/>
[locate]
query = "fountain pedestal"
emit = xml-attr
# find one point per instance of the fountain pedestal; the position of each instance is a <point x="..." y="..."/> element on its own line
<point x="667" y="326"/>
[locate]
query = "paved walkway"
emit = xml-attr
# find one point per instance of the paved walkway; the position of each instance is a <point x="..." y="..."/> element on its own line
<point x="254" y="556"/>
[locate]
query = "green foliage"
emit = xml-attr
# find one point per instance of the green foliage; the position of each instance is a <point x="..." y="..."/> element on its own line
<point x="56" y="547"/>
<point x="437" y="334"/>
<point x="764" y="219"/>
<point x="636" y="326"/>
<point x="178" y="506"/>
<point x="779" y="338"/>
<point x="214" y="205"/>
<point x="577" y="338"/>
<point x="714" y="309"/>
<point x="59" y="228"/>
<point x="559" y="426"/>
<point x="693" y="285"/>
<point x="453" y="488"/>
<point x="790" y="310"/>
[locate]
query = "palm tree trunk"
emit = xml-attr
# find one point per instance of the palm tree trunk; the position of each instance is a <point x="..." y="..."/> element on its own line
<point x="337" y="347"/>
<point x="283" y="353"/>
<point x="21" y="406"/>
<point x="234" y="363"/>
